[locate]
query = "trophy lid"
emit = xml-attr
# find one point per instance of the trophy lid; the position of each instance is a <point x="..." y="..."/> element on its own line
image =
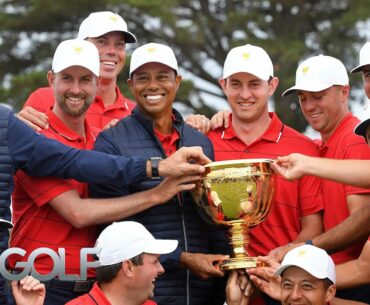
<point x="238" y="162"/>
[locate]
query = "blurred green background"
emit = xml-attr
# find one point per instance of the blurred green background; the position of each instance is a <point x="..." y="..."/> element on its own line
<point x="200" y="32"/>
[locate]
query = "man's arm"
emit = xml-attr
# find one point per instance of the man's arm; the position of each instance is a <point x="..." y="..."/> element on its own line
<point x="40" y="156"/>
<point x="311" y="226"/>
<point x="351" y="172"/>
<point x="353" y="229"/>
<point x="84" y="212"/>
<point x="355" y="272"/>
<point x="203" y="265"/>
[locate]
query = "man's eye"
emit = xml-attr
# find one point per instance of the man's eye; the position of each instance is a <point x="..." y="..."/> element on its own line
<point x="120" y="44"/>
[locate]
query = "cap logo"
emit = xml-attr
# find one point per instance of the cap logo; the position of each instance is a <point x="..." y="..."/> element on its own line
<point x="113" y="18"/>
<point x="305" y="70"/>
<point x="151" y="50"/>
<point x="302" y="253"/>
<point x="246" y="55"/>
<point x="77" y="50"/>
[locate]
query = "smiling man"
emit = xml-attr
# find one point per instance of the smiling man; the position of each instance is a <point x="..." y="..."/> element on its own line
<point x="128" y="265"/>
<point x="156" y="129"/>
<point x="55" y="213"/>
<point x="248" y="82"/>
<point x="322" y="86"/>
<point x="108" y="32"/>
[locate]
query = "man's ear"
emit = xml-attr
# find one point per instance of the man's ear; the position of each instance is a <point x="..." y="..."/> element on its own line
<point x="345" y="91"/>
<point x="273" y="83"/>
<point x="178" y="79"/>
<point x="128" y="268"/>
<point x="222" y="83"/>
<point x="50" y="77"/>
<point x="330" y="293"/>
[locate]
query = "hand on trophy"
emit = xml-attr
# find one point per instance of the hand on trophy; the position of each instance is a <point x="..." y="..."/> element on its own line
<point x="264" y="278"/>
<point x="239" y="289"/>
<point x="203" y="265"/>
<point x="291" y="167"/>
<point x="185" y="161"/>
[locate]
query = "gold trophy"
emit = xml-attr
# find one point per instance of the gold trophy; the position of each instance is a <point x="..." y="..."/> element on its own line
<point x="238" y="194"/>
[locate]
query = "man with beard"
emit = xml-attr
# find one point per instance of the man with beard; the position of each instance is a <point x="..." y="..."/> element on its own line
<point x="108" y="32"/>
<point x="49" y="212"/>
<point x="322" y="87"/>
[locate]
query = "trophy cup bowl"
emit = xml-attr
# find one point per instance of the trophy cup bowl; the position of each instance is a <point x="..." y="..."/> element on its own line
<point x="238" y="194"/>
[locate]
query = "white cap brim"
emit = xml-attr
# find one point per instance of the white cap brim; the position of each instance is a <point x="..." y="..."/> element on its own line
<point x="311" y="87"/>
<point x="129" y="37"/>
<point x="264" y="77"/>
<point x="161" y="246"/>
<point x="317" y="274"/>
<point x="154" y="246"/>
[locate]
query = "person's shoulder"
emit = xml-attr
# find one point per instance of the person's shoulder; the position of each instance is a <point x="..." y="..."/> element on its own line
<point x="43" y="92"/>
<point x="5" y="111"/>
<point x="41" y="99"/>
<point x="192" y="134"/>
<point x="215" y="133"/>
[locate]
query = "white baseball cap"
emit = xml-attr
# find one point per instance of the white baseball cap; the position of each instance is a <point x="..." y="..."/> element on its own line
<point x="126" y="239"/>
<point x="248" y="59"/>
<point x="76" y="52"/>
<point x="100" y="23"/>
<point x="318" y="73"/>
<point x="364" y="58"/>
<point x="313" y="260"/>
<point x="153" y="52"/>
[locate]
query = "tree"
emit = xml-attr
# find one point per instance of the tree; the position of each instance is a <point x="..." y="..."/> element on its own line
<point x="201" y="32"/>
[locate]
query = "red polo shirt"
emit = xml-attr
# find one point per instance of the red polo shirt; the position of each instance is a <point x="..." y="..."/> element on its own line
<point x="36" y="223"/>
<point x="97" y="297"/>
<point x="343" y="144"/>
<point x="169" y="141"/>
<point x="293" y="199"/>
<point x="98" y="115"/>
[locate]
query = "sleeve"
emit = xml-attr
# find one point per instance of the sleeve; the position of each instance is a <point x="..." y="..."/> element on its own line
<point x="310" y="195"/>
<point x="41" y="190"/>
<point x="171" y="260"/>
<point x="40" y="156"/>
<point x="310" y="189"/>
<point x="105" y="144"/>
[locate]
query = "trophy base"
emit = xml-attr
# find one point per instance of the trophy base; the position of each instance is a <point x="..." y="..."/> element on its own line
<point x="237" y="263"/>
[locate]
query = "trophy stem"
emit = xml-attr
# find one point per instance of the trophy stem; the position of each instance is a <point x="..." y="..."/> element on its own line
<point x="239" y="239"/>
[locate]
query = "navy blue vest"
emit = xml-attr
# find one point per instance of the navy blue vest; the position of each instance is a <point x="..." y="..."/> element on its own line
<point x="6" y="166"/>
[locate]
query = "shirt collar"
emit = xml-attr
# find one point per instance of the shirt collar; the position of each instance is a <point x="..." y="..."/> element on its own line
<point x="272" y="134"/>
<point x="63" y="130"/>
<point x="338" y="132"/>
<point x="120" y="101"/>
